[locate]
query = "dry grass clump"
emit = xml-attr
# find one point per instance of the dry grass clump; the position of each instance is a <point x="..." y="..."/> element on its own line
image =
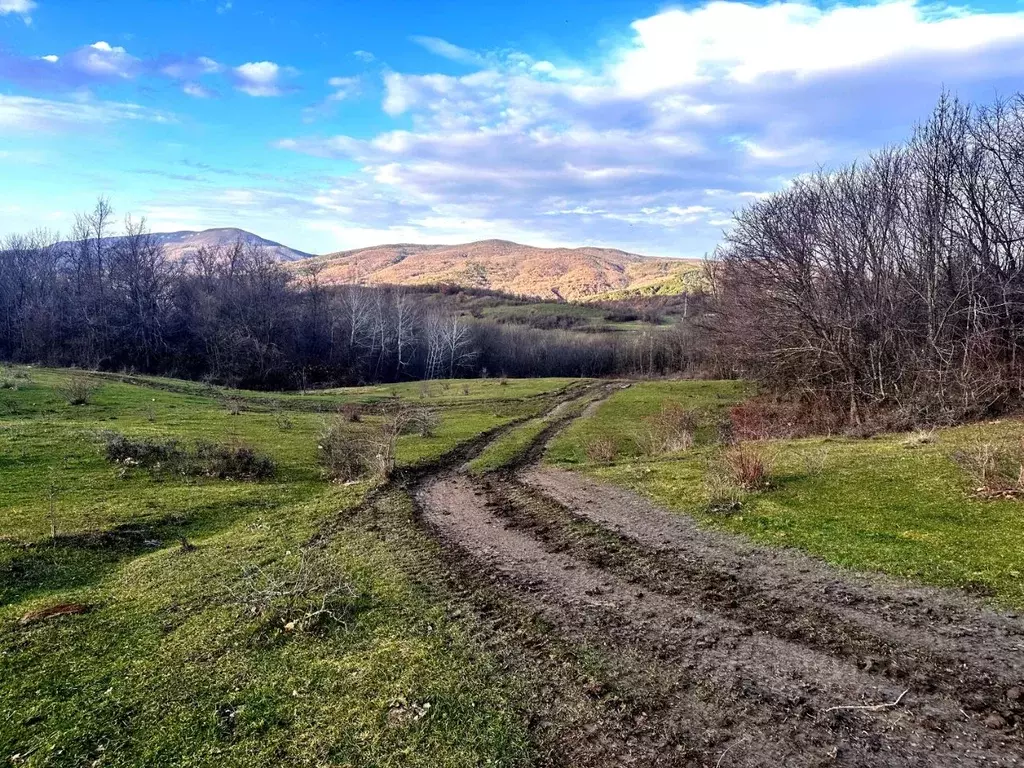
<point x="600" y="449"/>
<point x="920" y="437"/>
<point x="669" y="431"/>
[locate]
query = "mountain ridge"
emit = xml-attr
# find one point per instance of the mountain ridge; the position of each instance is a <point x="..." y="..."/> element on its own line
<point x="572" y="274"/>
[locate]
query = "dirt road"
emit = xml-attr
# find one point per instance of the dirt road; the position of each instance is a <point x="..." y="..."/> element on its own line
<point x="682" y="646"/>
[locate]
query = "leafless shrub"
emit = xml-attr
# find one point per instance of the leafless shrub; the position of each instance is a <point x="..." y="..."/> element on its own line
<point x="234" y="406"/>
<point x="350" y="412"/>
<point x="349" y="454"/>
<point x="308" y="594"/>
<point x="424" y="389"/>
<point x="600" y="449"/>
<point x="343" y="452"/>
<point x="465" y="389"/>
<point x="503" y="381"/>
<point x="996" y="471"/>
<point x="748" y="466"/>
<point x="423" y="422"/>
<point x="77" y="390"/>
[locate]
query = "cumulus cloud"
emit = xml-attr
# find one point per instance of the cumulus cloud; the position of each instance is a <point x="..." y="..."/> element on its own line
<point x="261" y="78"/>
<point x="651" y="144"/>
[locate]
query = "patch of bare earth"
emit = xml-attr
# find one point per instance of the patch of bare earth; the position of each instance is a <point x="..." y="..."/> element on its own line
<point x="698" y="648"/>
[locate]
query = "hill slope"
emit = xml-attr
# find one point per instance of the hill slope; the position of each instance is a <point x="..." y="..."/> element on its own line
<point x="178" y="244"/>
<point x="572" y="273"/>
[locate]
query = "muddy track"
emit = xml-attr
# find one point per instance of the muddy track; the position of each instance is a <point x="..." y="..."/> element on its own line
<point x="711" y="651"/>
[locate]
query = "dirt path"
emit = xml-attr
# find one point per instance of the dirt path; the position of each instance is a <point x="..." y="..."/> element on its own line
<point x="697" y="648"/>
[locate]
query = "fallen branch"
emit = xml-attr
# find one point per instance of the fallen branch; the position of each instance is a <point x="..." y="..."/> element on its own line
<point x="728" y="749"/>
<point x="871" y="707"/>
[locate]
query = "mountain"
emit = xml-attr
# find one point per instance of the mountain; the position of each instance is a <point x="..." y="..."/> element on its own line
<point x="570" y="273"/>
<point x="177" y="244"/>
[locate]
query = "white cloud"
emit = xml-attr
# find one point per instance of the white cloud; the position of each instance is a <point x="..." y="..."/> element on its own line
<point x="364" y="56"/>
<point x="103" y="60"/>
<point x="22" y="7"/>
<point x="26" y="114"/>
<point x="260" y="78"/>
<point x="448" y="50"/>
<point x="196" y="90"/>
<point x="52" y="58"/>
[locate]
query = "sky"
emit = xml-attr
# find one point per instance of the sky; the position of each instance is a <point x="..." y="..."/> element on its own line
<point x="335" y="125"/>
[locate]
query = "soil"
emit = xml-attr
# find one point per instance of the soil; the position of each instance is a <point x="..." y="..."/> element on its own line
<point x="662" y="644"/>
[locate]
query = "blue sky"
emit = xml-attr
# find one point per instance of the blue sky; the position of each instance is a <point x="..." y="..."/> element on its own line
<point x="334" y="125"/>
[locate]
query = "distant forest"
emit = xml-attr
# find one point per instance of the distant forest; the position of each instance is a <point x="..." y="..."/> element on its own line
<point x="235" y="315"/>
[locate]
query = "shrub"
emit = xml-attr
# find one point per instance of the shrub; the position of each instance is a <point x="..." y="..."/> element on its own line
<point x="350" y="412"/>
<point x="600" y="449"/>
<point x="235" y="462"/>
<point x="149" y="454"/>
<point x="423" y="422"/>
<point x="77" y="390"/>
<point x="232" y="462"/>
<point x="343" y="452"/>
<point x="748" y="467"/>
<point x="234" y="406"/>
<point x="995" y="471"/>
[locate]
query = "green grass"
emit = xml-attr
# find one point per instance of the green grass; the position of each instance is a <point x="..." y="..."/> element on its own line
<point x="876" y="504"/>
<point x="508" y="447"/>
<point x="622" y="417"/>
<point x="169" y="667"/>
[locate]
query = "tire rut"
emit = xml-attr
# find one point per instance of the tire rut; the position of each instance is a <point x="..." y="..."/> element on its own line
<point x="719" y="652"/>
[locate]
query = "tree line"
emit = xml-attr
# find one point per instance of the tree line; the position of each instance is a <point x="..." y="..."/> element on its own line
<point x="233" y="314"/>
<point x="893" y="285"/>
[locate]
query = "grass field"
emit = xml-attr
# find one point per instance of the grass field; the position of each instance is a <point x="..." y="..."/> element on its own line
<point x="181" y="659"/>
<point x="890" y="503"/>
<point x="292" y="621"/>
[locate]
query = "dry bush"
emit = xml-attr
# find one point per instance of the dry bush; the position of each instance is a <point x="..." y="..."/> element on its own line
<point x="343" y="452"/>
<point x="996" y="471"/>
<point x="350" y="412"/>
<point x="77" y="390"/>
<point x="349" y="454"/>
<point x="724" y="495"/>
<point x="465" y="389"/>
<point x="763" y="418"/>
<point x="503" y="381"/>
<point x="424" y="389"/>
<point x="748" y="466"/>
<point x="423" y="422"/>
<point x="308" y="596"/>
<point x="669" y="431"/>
<point x="234" y="406"/>
<point x="600" y="449"/>
<point x="225" y="462"/>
